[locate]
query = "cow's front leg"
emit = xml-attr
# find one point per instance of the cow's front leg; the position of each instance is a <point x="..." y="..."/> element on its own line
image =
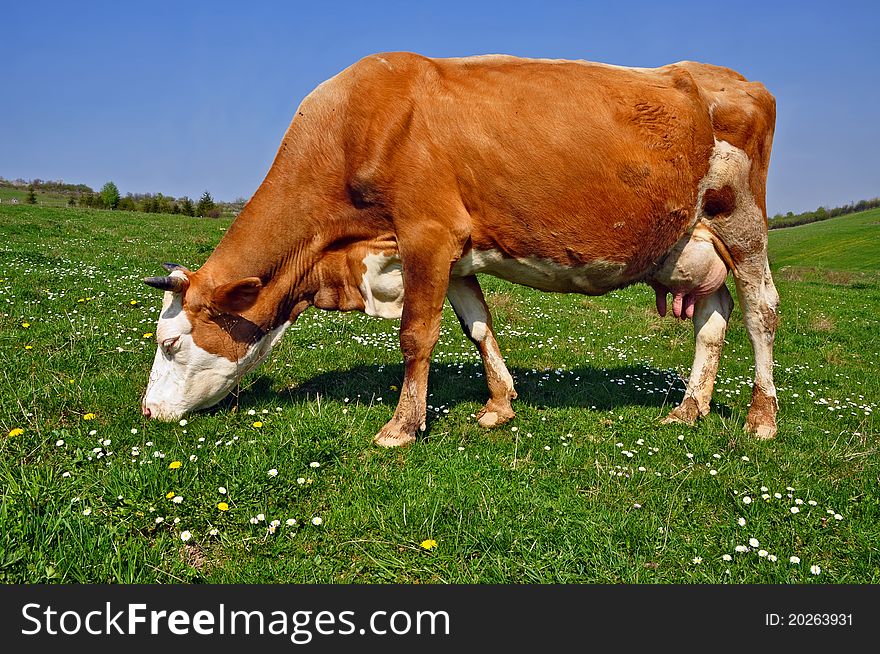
<point x="466" y="298"/>
<point x="425" y="279"/>
<point x="711" y="314"/>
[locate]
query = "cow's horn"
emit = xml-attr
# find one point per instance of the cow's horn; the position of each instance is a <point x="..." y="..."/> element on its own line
<point x="175" y="284"/>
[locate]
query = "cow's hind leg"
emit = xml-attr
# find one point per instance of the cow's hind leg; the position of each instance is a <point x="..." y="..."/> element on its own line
<point x="466" y="298"/>
<point x="760" y="300"/>
<point x="711" y="314"/>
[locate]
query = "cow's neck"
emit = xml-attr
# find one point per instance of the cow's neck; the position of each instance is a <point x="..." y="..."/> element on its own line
<point x="299" y="262"/>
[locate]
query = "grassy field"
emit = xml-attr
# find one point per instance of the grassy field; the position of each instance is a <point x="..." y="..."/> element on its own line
<point x="583" y="486"/>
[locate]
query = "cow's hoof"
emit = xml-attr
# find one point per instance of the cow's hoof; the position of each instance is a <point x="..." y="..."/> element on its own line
<point x="492" y="415"/>
<point x="685" y="413"/>
<point x="761" y="431"/>
<point x="393" y="437"/>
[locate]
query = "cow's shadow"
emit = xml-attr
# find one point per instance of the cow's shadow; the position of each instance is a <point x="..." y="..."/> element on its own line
<point x="584" y="387"/>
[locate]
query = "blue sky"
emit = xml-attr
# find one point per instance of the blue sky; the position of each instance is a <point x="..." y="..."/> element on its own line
<point x="183" y="96"/>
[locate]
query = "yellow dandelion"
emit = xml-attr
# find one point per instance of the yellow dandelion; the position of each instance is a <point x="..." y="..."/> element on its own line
<point x="223" y="506"/>
<point x="174" y="465"/>
<point x="170" y="495"/>
<point x="89" y="416"/>
<point x="28" y="347"/>
<point x="148" y="335"/>
<point x="18" y="431"/>
<point x="394" y="388"/>
<point x="133" y="303"/>
<point x="25" y="325"/>
<point x="258" y="424"/>
<point x="428" y="544"/>
<point x="82" y="299"/>
<point x="71" y="381"/>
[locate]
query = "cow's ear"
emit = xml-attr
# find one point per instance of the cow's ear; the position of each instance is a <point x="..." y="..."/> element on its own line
<point x="237" y="296"/>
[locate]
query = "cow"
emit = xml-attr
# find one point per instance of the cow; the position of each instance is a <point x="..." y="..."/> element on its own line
<point x="402" y="177"/>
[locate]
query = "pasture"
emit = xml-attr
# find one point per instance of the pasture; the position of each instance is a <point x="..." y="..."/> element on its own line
<point x="282" y="484"/>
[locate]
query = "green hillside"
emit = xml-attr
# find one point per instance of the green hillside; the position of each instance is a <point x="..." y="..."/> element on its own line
<point x="844" y="244"/>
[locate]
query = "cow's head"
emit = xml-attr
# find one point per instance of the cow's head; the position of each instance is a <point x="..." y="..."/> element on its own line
<point x="205" y="342"/>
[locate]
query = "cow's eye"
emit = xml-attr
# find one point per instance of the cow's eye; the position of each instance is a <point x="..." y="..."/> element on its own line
<point x="170" y="344"/>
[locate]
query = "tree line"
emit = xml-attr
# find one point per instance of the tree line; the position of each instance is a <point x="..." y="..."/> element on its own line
<point x="792" y="219"/>
<point x="109" y="198"/>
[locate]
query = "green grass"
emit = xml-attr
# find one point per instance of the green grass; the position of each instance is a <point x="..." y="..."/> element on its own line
<point x="552" y="497"/>
<point x="847" y="245"/>
<point x="43" y="199"/>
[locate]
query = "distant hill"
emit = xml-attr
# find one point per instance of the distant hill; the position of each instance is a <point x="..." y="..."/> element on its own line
<point x="843" y="250"/>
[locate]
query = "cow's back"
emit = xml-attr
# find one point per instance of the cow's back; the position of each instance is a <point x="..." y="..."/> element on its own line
<point x="569" y="161"/>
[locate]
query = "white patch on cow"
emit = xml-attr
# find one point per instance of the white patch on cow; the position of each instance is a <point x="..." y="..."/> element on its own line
<point x="382" y="286"/>
<point x="594" y="278"/>
<point x="186" y="377"/>
<point x="469" y="308"/>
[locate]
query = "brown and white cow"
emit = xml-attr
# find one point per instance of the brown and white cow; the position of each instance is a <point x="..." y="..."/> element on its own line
<point x="402" y="177"/>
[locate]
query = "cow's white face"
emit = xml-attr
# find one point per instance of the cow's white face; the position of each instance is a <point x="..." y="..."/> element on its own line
<point x="200" y="358"/>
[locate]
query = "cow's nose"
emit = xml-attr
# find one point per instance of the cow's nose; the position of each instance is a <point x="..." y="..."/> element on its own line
<point x="146" y="411"/>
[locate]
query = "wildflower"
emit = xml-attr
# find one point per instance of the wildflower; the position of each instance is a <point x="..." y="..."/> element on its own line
<point x="273" y="472"/>
<point x="222" y="490"/>
<point x="794" y="559"/>
<point x="275" y="524"/>
<point x="223" y="506"/>
<point x="697" y="560"/>
<point x="193" y="457"/>
<point x="65" y="475"/>
<point x="170" y="495"/>
<point x="745" y="458"/>
<point x="741" y="522"/>
<point x="762" y="553"/>
<point x="726" y="557"/>
<point x="213" y="532"/>
<point x="260" y="517"/>
<point x="148" y="335"/>
<point x="183" y="422"/>
<point x="185" y="535"/>
<point x="174" y="465"/>
<point x="314" y="464"/>
<point x="258" y="424"/>
<point x="771" y="558"/>
<point x="89" y="416"/>
<point x="290" y="522"/>
<point x="59" y="442"/>
<point x="753" y="542"/>
<point x="159" y="520"/>
<point x="300" y="480"/>
<point x="428" y="544"/>
<point x="28" y="347"/>
<point x="18" y="431"/>
<point x="837" y="516"/>
<point x="254" y="521"/>
<point x="25" y="325"/>
<point x="637" y="506"/>
<point x="747" y="500"/>
<point x="133" y="303"/>
<point x="177" y="499"/>
<point x="815" y="570"/>
<point x="251" y="412"/>
<point x="317" y="521"/>
<point x="87" y="511"/>
<point x="794" y="509"/>
<point x="741" y="548"/>
<point x="134" y="431"/>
